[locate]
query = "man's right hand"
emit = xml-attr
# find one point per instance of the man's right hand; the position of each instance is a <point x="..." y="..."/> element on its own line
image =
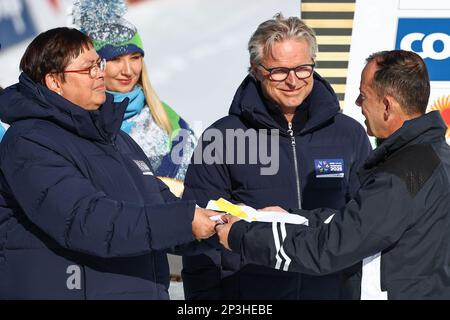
<point x="202" y="225"/>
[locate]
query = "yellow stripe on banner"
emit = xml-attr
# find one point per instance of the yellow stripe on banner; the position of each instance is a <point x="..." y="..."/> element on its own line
<point x="329" y="7"/>
<point x="341" y="104"/>
<point x="230" y="208"/>
<point x="332" y="73"/>
<point x="329" y="23"/>
<point x="334" y="39"/>
<point x="339" y="88"/>
<point x="333" y="56"/>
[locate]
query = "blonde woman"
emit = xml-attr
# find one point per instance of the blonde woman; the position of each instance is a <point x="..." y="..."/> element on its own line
<point x="164" y="136"/>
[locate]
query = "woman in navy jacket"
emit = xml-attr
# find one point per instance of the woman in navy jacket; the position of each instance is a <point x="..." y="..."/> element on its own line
<point x="81" y="214"/>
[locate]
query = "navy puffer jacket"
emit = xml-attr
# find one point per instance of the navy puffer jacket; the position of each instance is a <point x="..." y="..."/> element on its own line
<point x="81" y="215"/>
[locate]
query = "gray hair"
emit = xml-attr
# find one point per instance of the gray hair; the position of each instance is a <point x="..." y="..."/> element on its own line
<point x="278" y="29"/>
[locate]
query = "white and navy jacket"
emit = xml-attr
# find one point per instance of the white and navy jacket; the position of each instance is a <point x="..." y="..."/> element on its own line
<point x="398" y="222"/>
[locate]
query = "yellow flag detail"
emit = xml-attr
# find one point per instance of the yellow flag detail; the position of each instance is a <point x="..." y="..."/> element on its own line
<point x="224" y="205"/>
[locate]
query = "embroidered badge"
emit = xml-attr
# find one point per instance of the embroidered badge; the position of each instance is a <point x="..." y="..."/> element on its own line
<point x="329" y="168"/>
<point x="144" y="167"/>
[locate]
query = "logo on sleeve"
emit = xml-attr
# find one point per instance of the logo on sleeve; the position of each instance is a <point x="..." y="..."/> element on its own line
<point x="143" y="167"/>
<point x="329" y="168"/>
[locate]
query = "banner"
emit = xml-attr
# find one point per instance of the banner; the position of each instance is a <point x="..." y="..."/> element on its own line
<point x="24" y="19"/>
<point x="16" y="24"/>
<point x="415" y="25"/>
<point x="430" y="39"/>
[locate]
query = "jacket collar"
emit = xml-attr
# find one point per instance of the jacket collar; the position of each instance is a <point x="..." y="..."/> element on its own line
<point x="427" y="128"/>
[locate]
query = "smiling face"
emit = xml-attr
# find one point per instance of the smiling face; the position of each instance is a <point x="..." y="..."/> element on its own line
<point x="123" y="72"/>
<point x="290" y="93"/>
<point x="80" y="88"/>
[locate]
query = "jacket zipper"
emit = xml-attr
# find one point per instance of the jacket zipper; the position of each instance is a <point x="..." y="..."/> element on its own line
<point x="291" y="133"/>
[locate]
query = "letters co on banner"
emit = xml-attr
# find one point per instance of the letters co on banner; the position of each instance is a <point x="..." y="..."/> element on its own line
<point x="430" y="38"/>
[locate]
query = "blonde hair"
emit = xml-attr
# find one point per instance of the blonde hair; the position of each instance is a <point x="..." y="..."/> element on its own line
<point x="154" y="103"/>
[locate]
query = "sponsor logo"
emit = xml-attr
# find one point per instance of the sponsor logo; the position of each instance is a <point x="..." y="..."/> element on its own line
<point x="143" y="167"/>
<point x="329" y="168"/>
<point x="442" y="104"/>
<point x="430" y="38"/>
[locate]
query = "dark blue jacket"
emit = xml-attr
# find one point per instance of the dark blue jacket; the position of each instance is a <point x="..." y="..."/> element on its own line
<point x="324" y="136"/>
<point x="81" y="215"/>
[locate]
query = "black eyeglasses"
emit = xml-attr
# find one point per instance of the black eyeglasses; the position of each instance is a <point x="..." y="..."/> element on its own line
<point x="302" y="71"/>
<point x="93" y="70"/>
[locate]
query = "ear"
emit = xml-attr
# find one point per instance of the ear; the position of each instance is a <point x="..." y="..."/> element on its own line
<point x="391" y="106"/>
<point x="53" y="82"/>
<point x="255" y="72"/>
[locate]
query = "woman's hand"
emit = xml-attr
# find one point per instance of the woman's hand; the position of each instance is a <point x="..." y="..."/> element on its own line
<point x="202" y="225"/>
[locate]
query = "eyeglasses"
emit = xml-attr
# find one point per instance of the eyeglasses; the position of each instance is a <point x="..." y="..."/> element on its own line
<point x="92" y="71"/>
<point x="302" y="71"/>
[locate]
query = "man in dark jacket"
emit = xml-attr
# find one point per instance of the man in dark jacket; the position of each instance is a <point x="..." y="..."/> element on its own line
<point x="294" y="148"/>
<point x="81" y="214"/>
<point x="398" y="224"/>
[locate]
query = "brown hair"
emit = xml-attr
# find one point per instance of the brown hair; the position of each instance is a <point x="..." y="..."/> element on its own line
<point x="51" y="52"/>
<point x="403" y="75"/>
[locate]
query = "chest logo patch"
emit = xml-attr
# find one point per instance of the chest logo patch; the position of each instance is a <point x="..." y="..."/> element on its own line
<point x="329" y="168"/>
